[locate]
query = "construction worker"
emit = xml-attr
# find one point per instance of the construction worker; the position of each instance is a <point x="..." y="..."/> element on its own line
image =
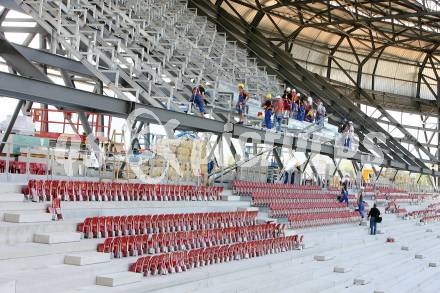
<point x="279" y="112"/>
<point x="320" y="113"/>
<point x="295" y="104"/>
<point x="293" y="108"/>
<point x="348" y="133"/>
<point x="267" y="105"/>
<point x="198" y="98"/>
<point x="287" y="102"/>
<point x="301" y="110"/>
<point x="310" y="115"/>
<point x="243" y="96"/>
<point x="310" y="101"/>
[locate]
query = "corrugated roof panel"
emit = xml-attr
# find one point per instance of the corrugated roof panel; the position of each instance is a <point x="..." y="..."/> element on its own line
<point x="348" y="59"/>
<point x="366" y="81"/>
<point x="316" y="57"/>
<point x="369" y="66"/>
<point x="339" y="75"/>
<point x="386" y="68"/>
<point x="300" y="52"/>
<point x="404" y="88"/>
<point x="391" y="76"/>
<point x="316" y="68"/>
<point x="425" y="93"/>
<point x="244" y="11"/>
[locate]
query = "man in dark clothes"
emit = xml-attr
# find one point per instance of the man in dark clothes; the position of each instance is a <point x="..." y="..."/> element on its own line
<point x="373" y="215"/>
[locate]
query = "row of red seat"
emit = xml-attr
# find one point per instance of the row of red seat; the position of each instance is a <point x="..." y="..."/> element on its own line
<point x="400" y="211"/>
<point x="163" y="264"/>
<point x="309" y="196"/>
<point x="380" y="197"/>
<point x="368" y="187"/>
<point x="123" y="246"/>
<point x="423" y="213"/>
<point x="308" y="205"/>
<point x="430" y="219"/>
<point x="69" y="190"/>
<point x="393" y="208"/>
<point x="285" y="210"/>
<point x="19" y="167"/>
<point x="320" y="219"/>
<point x="421" y="194"/>
<point x="97" y="227"/>
<point x="265" y="199"/>
<point x="401" y="196"/>
<point x="245" y="187"/>
<point x="391" y="189"/>
<point x="264" y="202"/>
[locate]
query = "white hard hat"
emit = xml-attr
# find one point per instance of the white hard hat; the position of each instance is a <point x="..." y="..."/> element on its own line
<point x="299" y="94"/>
<point x="278" y="97"/>
<point x="350" y="122"/>
<point x="294" y="90"/>
<point x="288" y="89"/>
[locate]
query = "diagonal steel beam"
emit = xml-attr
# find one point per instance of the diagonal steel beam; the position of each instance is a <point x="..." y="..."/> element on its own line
<point x="277" y="158"/>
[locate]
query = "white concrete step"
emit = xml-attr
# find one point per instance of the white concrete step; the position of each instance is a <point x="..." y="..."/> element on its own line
<point x="14" y="197"/>
<point x="265" y="220"/>
<point x="30" y="251"/>
<point x="323" y="257"/>
<point x="21" y="207"/>
<point x="226" y="192"/>
<point x="118" y="279"/>
<point x="65" y="277"/>
<point x="340" y="269"/>
<point x="230" y="197"/>
<point x="21" y="217"/>
<point x="7" y="286"/>
<point x="248" y="209"/>
<point x="13" y="233"/>
<point x="57" y="237"/>
<point x="82" y="209"/>
<point x="11" y="188"/>
<point x="86" y="258"/>
<point x="347" y="259"/>
<point x="360" y="281"/>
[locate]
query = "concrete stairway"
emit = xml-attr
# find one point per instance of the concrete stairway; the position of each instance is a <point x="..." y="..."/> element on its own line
<point x="297" y="270"/>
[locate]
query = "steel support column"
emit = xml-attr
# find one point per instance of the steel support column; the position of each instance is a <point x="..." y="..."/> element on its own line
<point x="378" y="174"/>
<point x="337" y="168"/>
<point x="277" y="158"/>
<point x="394" y="176"/>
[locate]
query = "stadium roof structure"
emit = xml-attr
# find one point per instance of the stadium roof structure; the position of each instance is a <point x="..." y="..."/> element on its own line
<point x="387" y="47"/>
<point x="382" y="54"/>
